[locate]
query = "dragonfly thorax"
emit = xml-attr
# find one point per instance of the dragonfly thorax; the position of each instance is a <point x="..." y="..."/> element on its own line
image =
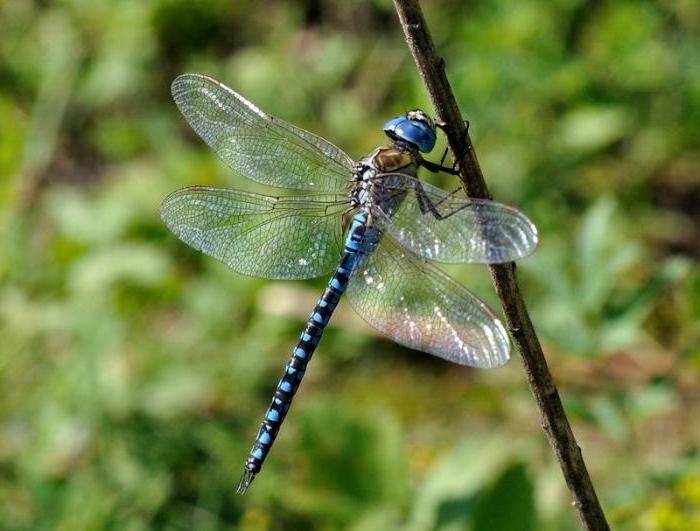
<point x="395" y="158"/>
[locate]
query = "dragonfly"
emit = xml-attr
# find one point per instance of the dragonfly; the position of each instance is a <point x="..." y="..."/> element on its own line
<point x="372" y="224"/>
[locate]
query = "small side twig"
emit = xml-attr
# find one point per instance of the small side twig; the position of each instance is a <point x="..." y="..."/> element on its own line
<point x="554" y="421"/>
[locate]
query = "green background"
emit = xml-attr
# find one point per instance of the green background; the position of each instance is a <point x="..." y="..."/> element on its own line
<point x="134" y="371"/>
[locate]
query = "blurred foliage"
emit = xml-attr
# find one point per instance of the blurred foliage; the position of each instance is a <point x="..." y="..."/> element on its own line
<point x="135" y="371"/>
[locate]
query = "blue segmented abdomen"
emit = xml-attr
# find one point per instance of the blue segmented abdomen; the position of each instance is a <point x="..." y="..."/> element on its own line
<point x="296" y="366"/>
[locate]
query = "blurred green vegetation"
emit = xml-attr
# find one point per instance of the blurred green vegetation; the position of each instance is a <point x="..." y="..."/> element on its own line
<point x="134" y="371"/>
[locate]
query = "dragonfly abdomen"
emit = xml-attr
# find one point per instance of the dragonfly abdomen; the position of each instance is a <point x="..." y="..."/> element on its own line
<point x="301" y="355"/>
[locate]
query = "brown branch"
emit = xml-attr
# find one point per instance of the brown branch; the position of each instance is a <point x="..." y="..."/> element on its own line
<point x="554" y="421"/>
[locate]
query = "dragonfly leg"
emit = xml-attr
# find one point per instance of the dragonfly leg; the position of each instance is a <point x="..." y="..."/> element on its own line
<point x="454" y="170"/>
<point x="426" y="205"/>
<point x="467" y="146"/>
<point x="437" y="168"/>
<point x="444" y="156"/>
<point x="450" y="195"/>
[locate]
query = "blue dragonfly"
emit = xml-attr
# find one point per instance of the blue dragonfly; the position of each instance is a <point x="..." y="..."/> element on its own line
<point x="392" y="223"/>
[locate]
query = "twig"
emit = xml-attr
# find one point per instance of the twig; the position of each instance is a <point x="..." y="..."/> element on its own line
<point x="554" y="421"/>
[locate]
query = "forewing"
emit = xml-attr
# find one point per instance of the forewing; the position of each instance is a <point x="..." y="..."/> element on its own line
<point x="257" y="145"/>
<point x="412" y="302"/>
<point x="451" y="228"/>
<point x="271" y="237"/>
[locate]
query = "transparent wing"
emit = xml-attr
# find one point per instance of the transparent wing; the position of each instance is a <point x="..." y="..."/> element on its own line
<point x="257" y="145"/>
<point x="271" y="237"/>
<point x="450" y="228"/>
<point x="411" y="301"/>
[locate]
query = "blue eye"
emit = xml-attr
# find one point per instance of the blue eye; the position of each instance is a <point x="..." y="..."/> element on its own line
<point x="415" y="132"/>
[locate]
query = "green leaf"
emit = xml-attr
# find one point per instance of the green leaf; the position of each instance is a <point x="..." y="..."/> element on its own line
<point x="590" y="128"/>
<point x="509" y="504"/>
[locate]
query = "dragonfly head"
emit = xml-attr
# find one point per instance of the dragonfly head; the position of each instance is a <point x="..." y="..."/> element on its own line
<point x="415" y="127"/>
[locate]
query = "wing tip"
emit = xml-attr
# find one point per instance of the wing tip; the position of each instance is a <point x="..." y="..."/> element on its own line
<point x="179" y="81"/>
<point x="532" y="234"/>
<point x="522" y="229"/>
<point x="174" y="197"/>
<point x="494" y="350"/>
<point x="179" y="86"/>
<point x="525" y="232"/>
<point x="500" y="344"/>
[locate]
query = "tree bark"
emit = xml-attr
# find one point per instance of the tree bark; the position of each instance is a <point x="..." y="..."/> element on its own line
<point x="554" y="421"/>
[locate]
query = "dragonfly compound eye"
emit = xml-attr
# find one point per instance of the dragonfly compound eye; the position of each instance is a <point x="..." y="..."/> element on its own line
<point x="415" y="128"/>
